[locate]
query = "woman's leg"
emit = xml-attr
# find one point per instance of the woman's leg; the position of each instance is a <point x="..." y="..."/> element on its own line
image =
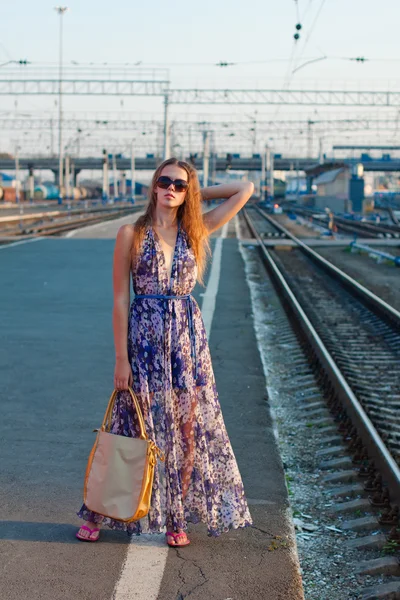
<point x="187" y="430"/>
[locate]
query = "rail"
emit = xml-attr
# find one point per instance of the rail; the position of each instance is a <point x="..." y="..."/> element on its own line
<point x="377" y="449"/>
<point x="53" y="223"/>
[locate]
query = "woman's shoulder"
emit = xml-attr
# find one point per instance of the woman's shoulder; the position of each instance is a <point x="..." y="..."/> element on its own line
<point x="126" y="231"/>
<point x="125" y="235"/>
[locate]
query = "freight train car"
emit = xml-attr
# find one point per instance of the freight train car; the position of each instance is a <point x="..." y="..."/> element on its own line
<point x="49" y="191"/>
<point x="8" y="194"/>
<point x="279" y="188"/>
<point x="45" y="191"/>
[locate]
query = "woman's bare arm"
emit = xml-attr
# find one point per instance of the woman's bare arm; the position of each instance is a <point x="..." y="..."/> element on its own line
<point x="121" y="287"/>
<point x="237" y="193"/>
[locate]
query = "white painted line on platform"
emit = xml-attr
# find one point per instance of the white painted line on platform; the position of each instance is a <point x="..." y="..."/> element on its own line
<point x="210" y="294"/>
<point x="143" y="569"/>
<point x="2" y="247"/>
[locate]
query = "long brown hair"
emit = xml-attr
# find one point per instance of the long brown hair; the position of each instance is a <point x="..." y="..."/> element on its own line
<point x="189" y="213"/>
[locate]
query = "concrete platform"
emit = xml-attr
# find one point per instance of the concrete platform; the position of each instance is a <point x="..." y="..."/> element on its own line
<point x="57" y="362"/>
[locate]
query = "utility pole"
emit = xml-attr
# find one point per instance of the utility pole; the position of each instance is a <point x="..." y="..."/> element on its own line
<point x="31" y="185"/>
<point x="51" y="138"/>
<point x="105" y="177"/>
<point x="254" y="130"/>
<point x="309" y="138"/>
<point x="123" y="185"/>
<point x="262" y="181"/>
<point x="17" y="196"/>
<point x="73" y="176"/>
<point x="67" y="177"/>
<point x="271" y="176"/>
<point x="166" y="153"/>
<point x="320" y="151"/>
<point x="206" y="157"/>
<point x="115" y="177"/>
<point x="268" y="160"/>
<point x="78" y="142"/>
<point x="133" y="183"/>
<point x="61" y="10"/>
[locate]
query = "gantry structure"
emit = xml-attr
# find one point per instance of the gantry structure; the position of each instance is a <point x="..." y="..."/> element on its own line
<point x="155" y="82"/>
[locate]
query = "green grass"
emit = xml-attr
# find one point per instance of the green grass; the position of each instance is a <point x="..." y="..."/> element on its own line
<point x="390" y="547"/>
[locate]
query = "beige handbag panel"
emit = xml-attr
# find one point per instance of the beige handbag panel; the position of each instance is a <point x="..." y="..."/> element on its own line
<point x="115" y="480"/>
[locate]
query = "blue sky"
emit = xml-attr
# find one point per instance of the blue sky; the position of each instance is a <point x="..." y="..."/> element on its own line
<point x="189" y="38"/>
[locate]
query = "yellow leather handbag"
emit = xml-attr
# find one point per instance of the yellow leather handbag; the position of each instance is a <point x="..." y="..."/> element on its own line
<point x="120" y="470"/>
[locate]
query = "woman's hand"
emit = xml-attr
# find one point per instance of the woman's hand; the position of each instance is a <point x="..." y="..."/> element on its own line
<point x="123" y="377"/>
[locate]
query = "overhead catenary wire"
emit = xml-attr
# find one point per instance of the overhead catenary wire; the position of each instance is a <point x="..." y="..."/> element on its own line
<point x="289" y="72"/>
<point x="319" y="10"/>
<point x="306" y="11"/>
<point x="360" y="59"/>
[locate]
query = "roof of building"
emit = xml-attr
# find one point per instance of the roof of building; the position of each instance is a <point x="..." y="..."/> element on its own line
<point x="316" y="170"/>
<point x="328" y="176"/>
<point x="5" y="177"/>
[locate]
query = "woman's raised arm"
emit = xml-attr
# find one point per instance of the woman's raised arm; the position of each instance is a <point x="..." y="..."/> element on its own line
<point x="237" y="194"/>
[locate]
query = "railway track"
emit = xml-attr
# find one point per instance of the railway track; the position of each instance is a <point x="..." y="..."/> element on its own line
<point x="353" y="343"/>
<point x="363" y="229"/>
<point x="51" y="223"/>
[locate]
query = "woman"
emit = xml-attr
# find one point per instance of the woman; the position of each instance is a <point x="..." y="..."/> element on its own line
<point x="167" y="359"/>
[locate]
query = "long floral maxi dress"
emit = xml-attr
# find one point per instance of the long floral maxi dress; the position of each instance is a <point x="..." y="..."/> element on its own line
<point x="174" y="381"/>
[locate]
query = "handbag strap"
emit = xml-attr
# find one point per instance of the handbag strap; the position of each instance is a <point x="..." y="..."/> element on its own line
<point x="106" y="425"/>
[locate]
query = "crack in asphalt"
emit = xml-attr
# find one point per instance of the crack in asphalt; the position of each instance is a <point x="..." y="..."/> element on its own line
<point x="181" y="595"/>
<point x="263" y="553"/>
<point x="273" y="535"/>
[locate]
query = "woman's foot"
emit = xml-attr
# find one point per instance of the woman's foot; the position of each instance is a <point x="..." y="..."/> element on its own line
<point x="170" y="535"/>
<point x="181" y="539"/>
<point x="177" y="539"/>
<point x="89" y="532"/>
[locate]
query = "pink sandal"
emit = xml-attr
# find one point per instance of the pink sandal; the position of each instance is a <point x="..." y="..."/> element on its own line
<point x="89" y="538"/>
<point x="175" y="534"/>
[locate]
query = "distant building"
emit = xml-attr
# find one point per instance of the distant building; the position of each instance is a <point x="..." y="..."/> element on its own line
<point x="333" y="190"/>
<point x="338" y="186"/>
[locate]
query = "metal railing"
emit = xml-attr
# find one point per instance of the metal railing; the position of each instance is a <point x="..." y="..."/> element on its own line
<point x="376" y="253"/>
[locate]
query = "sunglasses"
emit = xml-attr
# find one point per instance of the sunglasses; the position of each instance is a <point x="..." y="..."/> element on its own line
<point x="164" y="182"/>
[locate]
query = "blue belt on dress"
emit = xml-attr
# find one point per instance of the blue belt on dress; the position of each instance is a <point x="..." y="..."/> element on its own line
<point x="189" y="311"/>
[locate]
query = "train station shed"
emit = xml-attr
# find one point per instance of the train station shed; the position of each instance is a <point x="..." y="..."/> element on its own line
<point x="334" y="186"/>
